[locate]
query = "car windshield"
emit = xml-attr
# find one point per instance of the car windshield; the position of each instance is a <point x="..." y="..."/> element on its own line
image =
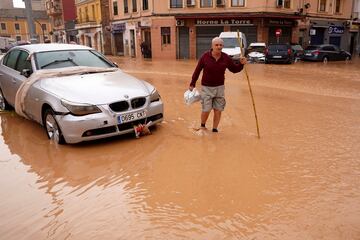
<point x="70" y="58"/>
<point x="230" y="42"/>
<point x="257" y="49"/>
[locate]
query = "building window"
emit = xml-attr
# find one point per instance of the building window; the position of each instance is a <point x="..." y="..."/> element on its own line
<point x="134" y="5"/>
<point x="17" y="26"/>
<point x="337" y="6"/>
<point x="80" y="16"/>
<point x="93" y="12"/>
<point x="115" y="8"/>
<point x="43" y="27"/>
<point x="287" y="3"/>
<point x="165" y="35"/>
<point x="176" y="3"/>
<point x="206" y="3"/>
<point x="145" y="4"/>
<point x="18" y="38"/>
<point x="237" y="3"/>
<point x="322" y="6"/>
<point x="86" y="14"/>
<point x="3" y="26"/>
<point x="126" y="6"/>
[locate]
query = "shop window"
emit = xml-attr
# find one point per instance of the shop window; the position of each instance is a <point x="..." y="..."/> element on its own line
<point x="165" y="35"/>
<point x="126" y="6"/>
<point x="3" y="26"/>
<point x="206" y="3"/>
<point x="337" y="6"/>
<point x="145" y="4"/>
<point x="322" y="6"/>
<point x="134" y="5"/>
<point x="115" y="8"/>
<point x="176" y="3"/>
<point x="237" y="3"/>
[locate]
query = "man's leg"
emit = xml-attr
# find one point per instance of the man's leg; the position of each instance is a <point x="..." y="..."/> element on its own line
<point x="204" y="117"/>
<point x="217" y="116"/>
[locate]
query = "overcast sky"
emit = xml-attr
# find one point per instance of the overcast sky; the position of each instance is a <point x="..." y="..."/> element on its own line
<point x="19" y="4"/>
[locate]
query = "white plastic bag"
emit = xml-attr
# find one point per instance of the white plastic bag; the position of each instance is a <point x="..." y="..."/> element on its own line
<point x="191" y="96"/>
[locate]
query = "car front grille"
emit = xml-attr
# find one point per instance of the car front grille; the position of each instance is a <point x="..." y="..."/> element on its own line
<point x="125" y="105"/>
<point x="119" y="106"/>
<point x="138" y="102"/>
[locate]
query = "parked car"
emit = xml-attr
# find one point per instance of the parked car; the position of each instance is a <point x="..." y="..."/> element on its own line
<point x="75" y="92"/>
<point x="256" y="52"/>
<point x="325" y="52"/>
<point x="14" y="44"/>
<point x="298" y="51"/>
<point x="279" y="53"/>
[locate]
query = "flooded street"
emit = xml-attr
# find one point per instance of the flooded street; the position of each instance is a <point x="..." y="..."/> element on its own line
<point x="299" y="181"/>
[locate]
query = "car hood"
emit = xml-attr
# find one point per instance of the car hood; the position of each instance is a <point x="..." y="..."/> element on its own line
<point x="256" y="54"/>
<point x="96" y="88"/>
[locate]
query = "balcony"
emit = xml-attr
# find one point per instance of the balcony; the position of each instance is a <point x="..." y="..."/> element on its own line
<point x="53" y="7"/>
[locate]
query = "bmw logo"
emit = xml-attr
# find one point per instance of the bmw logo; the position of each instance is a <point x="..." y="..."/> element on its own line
<point x="126" y="96"/>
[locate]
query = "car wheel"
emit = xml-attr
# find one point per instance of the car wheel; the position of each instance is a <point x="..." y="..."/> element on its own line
<point x="325" y="59"/>
<point x="347" y="58"/>
<point x="3" y="103"/>
<point x="52" y="128"/>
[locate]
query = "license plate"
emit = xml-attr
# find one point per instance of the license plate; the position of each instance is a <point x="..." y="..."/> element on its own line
<point x="307" y="54"/>
<point x="277" y="56"/>
<point x="129" y="117"/>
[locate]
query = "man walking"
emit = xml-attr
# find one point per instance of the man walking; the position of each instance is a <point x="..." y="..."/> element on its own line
<point x="214" y="63"/>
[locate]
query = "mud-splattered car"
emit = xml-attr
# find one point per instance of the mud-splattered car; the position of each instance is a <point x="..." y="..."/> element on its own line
<point x="75" y="92"/>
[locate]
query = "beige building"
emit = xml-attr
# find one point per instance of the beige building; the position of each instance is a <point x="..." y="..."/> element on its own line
<point x="183" y="29"/>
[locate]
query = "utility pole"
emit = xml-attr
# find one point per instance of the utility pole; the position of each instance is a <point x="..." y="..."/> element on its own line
<point x="30" y="22"/>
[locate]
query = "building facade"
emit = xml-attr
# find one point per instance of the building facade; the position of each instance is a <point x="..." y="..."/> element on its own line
<point x="62" y="14"/>
<point x="13" y="21"/>
<point x="183" y="29"/>
<point x="89" y="24"/>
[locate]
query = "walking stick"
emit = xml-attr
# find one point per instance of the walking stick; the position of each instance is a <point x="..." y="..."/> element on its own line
<point x="248" y="81"/>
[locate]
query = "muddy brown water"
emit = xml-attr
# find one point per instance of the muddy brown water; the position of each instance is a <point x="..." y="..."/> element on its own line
<point x="299" y="181"/>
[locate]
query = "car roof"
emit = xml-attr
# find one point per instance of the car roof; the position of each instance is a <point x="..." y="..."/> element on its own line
<point x="45" y="47"/>
<point x="257" y="44"/>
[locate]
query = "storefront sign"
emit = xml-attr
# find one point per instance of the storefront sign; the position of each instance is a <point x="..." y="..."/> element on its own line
<point x="280" y="22"/>
<point x="336" y="30"/>
<point x="312" y="32"/>
<point x="221" y="22"/>
<point x="118" y="28"/>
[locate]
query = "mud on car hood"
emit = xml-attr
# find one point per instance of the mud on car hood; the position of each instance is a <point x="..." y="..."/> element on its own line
<point x="96" y="88"/>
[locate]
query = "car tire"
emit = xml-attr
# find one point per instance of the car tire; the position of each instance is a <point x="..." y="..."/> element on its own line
<point x="325" y="59"/>
<point x="3" y="103"/>
<point x="348" y="58"/>
<point x="52" y="128"/>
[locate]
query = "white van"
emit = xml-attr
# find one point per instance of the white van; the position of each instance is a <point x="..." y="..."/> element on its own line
<point x="231" y="44"/>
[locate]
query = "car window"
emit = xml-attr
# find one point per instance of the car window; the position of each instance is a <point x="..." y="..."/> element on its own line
<point x="311" y="48"/>
<point x="70" y="58"/>
<point x="230" y="42"/>
<point x="11" y="58"/>
<point x="23" y="62"/>
<point x="328" y="48"/>
<point x="297" y="47"/>
<point x="279" y="47"/>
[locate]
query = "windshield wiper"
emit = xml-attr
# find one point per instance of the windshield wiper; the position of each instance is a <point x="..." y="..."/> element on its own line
<point x="59" y="61"/>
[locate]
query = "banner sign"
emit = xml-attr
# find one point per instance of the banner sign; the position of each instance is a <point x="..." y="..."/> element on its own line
<point x="221" y="22"/>
<point x="336" y="30"/>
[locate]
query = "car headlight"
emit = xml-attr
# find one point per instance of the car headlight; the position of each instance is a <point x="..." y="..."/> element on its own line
<point x="80" y="109"/>
<point x="154" y="96"/>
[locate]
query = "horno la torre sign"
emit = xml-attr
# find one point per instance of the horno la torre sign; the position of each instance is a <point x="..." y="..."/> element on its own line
<point x="214" y="22"/>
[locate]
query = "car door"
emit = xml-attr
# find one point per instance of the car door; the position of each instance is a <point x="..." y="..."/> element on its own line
<point x="11" y="78"/>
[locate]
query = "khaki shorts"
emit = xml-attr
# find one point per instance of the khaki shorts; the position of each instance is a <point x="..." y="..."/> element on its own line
<point x="213" y="98"/>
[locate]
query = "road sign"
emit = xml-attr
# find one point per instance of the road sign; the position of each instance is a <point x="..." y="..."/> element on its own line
<point x="278" y="32"/>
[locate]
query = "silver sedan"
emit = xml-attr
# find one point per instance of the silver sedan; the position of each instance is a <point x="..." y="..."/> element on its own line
<point x="75" y="92"/>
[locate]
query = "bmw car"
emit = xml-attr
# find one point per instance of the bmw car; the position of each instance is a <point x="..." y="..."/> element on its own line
<point x="75" y="92"/>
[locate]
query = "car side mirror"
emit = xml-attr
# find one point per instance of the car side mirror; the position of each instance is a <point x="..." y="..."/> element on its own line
<point x="26" y="72"/>
<point x="115" y="64"/>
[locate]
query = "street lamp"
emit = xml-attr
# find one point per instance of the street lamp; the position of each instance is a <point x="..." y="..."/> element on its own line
<point x="42" y="29"/>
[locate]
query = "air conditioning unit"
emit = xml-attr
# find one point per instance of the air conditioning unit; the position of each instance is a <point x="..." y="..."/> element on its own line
<point x="220" y="3"/>
<point x="280" y="3"/>
<point x="180" y="23"/>
<point x="190" y="3"/>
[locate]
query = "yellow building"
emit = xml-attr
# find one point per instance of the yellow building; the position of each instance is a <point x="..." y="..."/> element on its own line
<point x="89" y="23"/>
<point x="13" y="24"/>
